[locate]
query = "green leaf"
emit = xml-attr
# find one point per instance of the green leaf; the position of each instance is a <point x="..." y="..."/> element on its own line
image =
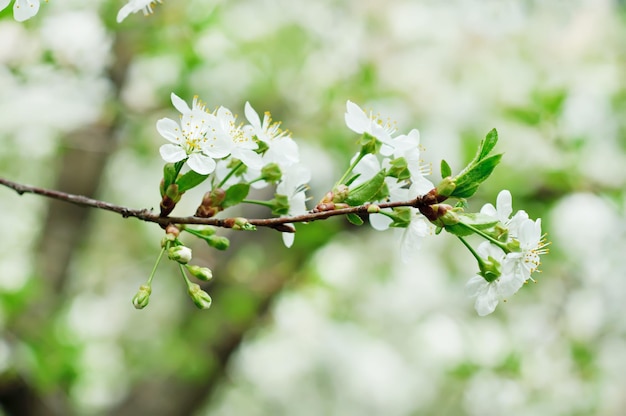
<point x="445" y="169"/>
<point x="367" y="190"/>
<point x="468" y="182"/>
<point x="235" y="194"/>
<point x="354" y="219"/>
<point x="190" y="180"/>
<point x="487" y="144"/>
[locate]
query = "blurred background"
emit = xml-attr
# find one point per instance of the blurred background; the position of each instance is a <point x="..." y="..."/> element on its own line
<point x="336" y="325"/>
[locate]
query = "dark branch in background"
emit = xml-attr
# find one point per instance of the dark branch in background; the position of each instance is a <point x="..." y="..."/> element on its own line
<point x="148" y="216"/>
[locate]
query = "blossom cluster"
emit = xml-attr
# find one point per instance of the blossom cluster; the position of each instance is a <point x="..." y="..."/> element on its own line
<point x="509" y="258"/>
<point x="399" y="159"/>
<point x="256" y="153"/>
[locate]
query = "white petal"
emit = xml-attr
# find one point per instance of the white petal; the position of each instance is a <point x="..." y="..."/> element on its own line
<point x="172" y="153"/>
<point x="288" y="239"/>
<point x="380" y="222"/>
<point x="25" y="9"/>
<point x="180" y="104"/>
<point x="486" y="301"/>
<point x="504" y="202"/>
<point x="170" y="130"/>
<point x="201" y="164"/>
<point x="4" y="4"/>
<point x="125" y="11"/>
<point x="475" y="286"/>
<point x="355" y="118"/>
<point x="252" y="116"/>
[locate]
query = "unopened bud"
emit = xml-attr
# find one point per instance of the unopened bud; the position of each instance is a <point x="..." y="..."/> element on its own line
<point x="242" y="224"/>
<point x="373" y="209"/>
<point x="340" y="193"/>
<point x="200" y="298"/>
<point x="180" y="254"/>
<point x="202" y="273"/>
<point x="445" y="188"/>
<point x="142" y="297"/>
<point x="211" y="203"/>
<point x="173" y="230"/>
<point x="218" y="242"/>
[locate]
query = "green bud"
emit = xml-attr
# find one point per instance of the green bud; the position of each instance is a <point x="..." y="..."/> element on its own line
<point x="373" y="209"/>
<point x="202" y="273"/>
<point x="172" y="193"/>
<point x="340" y="193"/>
<point x="200" y="298"/>
<point x="169" y="238"/>
<point x="218" y="242"/>
<point x="180" y="254"/>
<point x="242" y="224"/>
<point x="141" y="299"/>
<point x="446" y="187"/>
<point x="271" y="173"/>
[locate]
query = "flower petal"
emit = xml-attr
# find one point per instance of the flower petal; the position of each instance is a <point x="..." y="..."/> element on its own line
<point x="201" y="164"/>
<point x="172" y="153"/>
<point x="25" y="9"/>
<point x="170" y="130"/>
<point x="253" y="117"/>
<point x="4" y="4"/>
<point x="288" y="239"/>
<point x="180" y="104"/>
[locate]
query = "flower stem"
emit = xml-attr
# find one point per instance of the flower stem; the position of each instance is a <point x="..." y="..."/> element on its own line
<point x="486" y="237"/>
<point x="350" y="168"/>
<point x="231" y="173"/>
<point x="155" y="266"/>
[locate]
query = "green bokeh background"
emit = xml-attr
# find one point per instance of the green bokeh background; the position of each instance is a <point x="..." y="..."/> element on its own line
<point x="337" y="324"/>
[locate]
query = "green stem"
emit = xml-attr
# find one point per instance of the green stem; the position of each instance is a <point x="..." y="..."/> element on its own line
<point x="182" y="271"/>
<point x="486" y="236"/>
<point x="231" y="173"/>
<point x="350" y="168"/>
<point x="268" y="204"/>
<point x="155" y="266"/>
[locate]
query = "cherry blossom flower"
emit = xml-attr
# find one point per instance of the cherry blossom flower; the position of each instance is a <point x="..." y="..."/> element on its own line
<point x="190" y="139"/>
<point x="489" y="294"/>
<point x="359" y="122"/>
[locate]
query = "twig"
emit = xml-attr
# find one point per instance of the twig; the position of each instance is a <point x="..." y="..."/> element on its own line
<point x="149" y="216"/>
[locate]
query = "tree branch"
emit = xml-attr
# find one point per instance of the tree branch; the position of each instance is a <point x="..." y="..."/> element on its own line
<point x="149" y="216"/>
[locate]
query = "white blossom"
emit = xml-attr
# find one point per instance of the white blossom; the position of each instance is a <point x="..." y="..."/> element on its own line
<point x="359" y="122"/>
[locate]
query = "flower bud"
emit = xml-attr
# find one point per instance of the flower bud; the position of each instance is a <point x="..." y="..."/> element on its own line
<point x="242" y="224"/>
<point x="446" y="187"/>
<point x="200" y="298"/>
<point x="180" y="254"/>
<point x="373" y="209"/>
<point x="340" y="193"/>
<point x="218" y="242"/>
<point x="141" y="299"/>
<point x="202" y="273"/>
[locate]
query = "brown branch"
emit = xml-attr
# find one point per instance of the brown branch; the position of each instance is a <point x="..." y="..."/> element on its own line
<point x="149" y="216"/>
